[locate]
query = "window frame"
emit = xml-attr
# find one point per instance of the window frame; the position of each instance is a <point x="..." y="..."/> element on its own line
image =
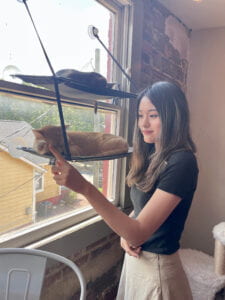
<point x="43" y="229"/>
<point x="41" y="179"/>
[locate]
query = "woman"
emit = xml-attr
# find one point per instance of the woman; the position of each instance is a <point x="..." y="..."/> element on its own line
<point x="163" y="178"/>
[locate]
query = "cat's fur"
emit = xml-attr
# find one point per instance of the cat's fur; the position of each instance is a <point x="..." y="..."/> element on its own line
<point x="90" y="79"/>
<point x="80" y="143"/>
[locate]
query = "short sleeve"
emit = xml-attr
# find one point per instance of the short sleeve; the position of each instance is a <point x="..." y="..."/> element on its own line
<point x="180" y="175"/>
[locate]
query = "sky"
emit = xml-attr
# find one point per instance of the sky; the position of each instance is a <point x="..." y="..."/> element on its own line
<point x="63" y="28"/>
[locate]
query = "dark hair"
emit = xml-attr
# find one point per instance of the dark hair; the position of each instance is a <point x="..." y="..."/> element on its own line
<point x="172" y="107"/>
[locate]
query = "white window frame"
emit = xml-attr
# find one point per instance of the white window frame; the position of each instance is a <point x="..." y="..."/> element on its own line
<point x="123" y="54"/>
<point x="39" y="179"/>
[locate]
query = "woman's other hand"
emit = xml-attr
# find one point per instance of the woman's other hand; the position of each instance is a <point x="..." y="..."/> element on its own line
<point x="130" y="250"/>
<point x="65" y="174"/>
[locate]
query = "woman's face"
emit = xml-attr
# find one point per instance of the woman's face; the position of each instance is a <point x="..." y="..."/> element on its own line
<point x="149" y="122"/>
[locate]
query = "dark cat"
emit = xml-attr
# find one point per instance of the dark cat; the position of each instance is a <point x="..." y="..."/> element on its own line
<point x="91" y="79"/>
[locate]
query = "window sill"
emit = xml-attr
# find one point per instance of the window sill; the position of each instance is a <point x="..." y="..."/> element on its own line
<point x="75" y="238"/>
<point x="63" y="233"/>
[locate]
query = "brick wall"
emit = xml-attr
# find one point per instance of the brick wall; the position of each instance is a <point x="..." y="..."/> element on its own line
<point x="165" y="46"/>
<point x="101" y="265"/>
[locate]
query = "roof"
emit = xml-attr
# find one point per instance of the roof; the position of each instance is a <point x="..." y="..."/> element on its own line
<point x="14" y="134"/>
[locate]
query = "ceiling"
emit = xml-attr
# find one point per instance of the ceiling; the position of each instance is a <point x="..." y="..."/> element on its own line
<point x="198" y="15"/>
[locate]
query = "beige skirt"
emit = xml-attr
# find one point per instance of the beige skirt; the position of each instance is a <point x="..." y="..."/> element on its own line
<point x="153" y="277"/>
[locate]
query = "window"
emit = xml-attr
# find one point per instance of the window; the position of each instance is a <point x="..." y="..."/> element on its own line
<point x="38" y="182"/>
<point x="30" y="200"/>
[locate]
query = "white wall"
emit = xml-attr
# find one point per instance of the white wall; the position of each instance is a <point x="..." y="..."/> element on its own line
<point x="206" y="96"/>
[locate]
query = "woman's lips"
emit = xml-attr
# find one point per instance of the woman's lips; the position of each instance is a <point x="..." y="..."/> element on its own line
<point x="147" y="132"/>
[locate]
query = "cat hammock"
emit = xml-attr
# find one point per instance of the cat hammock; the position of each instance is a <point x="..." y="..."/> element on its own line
<point x="79" y="158"/>
<point x="67" y="86"/>
<point x="74" y="89"/>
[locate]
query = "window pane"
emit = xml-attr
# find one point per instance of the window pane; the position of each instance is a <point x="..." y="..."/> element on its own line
<point x="63" y="28"/>
<point x="28" y="194"/>
<point x="28" y="191"/>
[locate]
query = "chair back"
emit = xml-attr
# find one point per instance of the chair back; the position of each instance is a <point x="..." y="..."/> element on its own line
<point x="22" y="273"/>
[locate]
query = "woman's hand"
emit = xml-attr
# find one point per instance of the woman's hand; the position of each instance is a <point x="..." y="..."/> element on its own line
<point x="132" y="251"/>
<point x="65" y="174"/>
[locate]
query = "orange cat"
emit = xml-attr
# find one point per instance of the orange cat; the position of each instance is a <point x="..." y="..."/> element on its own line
<point x="80" y="143"/>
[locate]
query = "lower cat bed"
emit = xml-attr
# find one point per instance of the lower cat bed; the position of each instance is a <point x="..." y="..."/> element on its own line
<point x="80" y="158"/>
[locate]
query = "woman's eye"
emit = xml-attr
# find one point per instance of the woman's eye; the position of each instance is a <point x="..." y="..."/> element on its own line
<point x="154" y="116"/>
<point x="140" y="116"/>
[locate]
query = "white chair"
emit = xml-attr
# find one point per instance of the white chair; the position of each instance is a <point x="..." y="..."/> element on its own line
<point x="22" y="273"/>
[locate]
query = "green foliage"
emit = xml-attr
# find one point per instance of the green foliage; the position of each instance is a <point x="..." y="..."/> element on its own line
<point x="79" y="119"/>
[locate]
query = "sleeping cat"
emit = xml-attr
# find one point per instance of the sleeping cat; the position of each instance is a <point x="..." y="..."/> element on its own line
<point x="91" y="79"/>
<point x="80" y="143"/>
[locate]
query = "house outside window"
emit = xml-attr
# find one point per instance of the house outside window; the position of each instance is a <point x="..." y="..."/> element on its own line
<point x="25" y="106"/>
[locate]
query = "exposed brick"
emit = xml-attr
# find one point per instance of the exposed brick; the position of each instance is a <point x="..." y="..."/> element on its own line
<point x="158" y="19"/>
<point x="145" y="80"/>
<point x="100" y="250"/>
<point x="159" y="76"/>
<point x="158" y="40"/>
<point x="111" y="293"/>
<point x="176" y="57"/>
<point x="149" y="4"/>
<point x="166" y="66"/>
<point x="113" y="236"/>
<point x="145" y="58"/>
<point x="180" y="74"/>
<point x="146" y="47"/>
<point x="147" y="35"/>
<point x="160" y="60"/>
<point x="82" y="260"/>
<point x="168" y="50"/>
<point x="77" y="254"/>
<point x="55" y="276"/>
<point x="76" y="296"/>
<point x="106" y="284"/>
<point x="91" y="295"/>
<point x="61" y="284"/>
<point x="96" y="244"/>
<point x="156" y="59"/>
<point x="184" y="65"/>
<point x="146" y="69"/>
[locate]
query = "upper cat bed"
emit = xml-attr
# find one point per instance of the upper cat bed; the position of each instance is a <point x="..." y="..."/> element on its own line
<point x="75" y="89"/>
<point x="80" y="158"/>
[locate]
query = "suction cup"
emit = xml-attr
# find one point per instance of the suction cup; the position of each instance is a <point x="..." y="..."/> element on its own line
<point x="92" y="32"/>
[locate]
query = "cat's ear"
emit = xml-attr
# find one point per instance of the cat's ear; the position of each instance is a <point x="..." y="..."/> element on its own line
<point x="37" y="133"/>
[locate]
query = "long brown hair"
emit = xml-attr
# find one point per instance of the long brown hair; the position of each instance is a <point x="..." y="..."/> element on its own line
<point x="172" y="107"/>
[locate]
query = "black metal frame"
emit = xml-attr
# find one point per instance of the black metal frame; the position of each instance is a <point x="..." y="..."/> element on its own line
<point x="72" y="84"/>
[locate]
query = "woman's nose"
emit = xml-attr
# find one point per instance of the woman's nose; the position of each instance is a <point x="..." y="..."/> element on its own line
<point x="146" y="122"/>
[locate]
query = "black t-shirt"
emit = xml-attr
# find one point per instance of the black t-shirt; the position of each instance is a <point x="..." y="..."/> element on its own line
<point x="179" y="178"/>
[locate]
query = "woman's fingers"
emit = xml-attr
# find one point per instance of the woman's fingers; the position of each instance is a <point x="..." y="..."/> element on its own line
<point x="56" y="170"/>
<point x="57" y="155"/>
<point x="132" y="251"/>
<point x="60" y="164"/>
